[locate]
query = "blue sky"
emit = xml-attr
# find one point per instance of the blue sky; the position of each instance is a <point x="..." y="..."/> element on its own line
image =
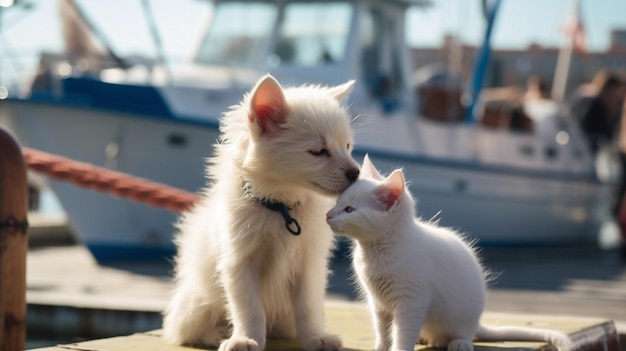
<point x="519" y="23"/>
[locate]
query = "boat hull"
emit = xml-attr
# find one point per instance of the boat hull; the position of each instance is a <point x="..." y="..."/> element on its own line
<point x="493" y="205"/>
<point x="506" y="208"/>
<point x="156" y="149"/>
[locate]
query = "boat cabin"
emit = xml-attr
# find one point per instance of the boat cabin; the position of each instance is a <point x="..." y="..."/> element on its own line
<point x="328" y="42"/>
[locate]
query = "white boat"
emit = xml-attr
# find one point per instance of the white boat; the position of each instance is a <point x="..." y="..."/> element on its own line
<point x="531" y="186"/>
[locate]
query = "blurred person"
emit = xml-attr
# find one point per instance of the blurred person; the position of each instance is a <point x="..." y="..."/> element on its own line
<point x="536" y="89"/>
<point x="596" y="107"/>
<point x="539" y="106"/>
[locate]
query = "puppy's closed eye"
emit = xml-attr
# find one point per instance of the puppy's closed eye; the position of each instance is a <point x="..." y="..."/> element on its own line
<point x="320" y="152"/>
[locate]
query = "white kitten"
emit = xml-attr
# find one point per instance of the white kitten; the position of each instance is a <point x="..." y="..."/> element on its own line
<point x="420" y="280"/>
<point x="240" y="273"/>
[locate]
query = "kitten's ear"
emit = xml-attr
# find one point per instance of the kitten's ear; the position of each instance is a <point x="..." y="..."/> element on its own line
<point x="268" y="107"/>
<point x="341" y="92"/>
<point x="368" y="170"/>
<point x="391" y="190"/>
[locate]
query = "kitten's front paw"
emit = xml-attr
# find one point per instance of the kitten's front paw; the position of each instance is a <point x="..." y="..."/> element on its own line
<point x="323" y="343"/>
<point x="460" y="345"/>
<point x="239" y="343"/>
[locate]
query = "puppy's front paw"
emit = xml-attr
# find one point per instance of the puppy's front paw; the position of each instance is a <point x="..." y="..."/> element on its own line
<point x="323" y="343"/>
<point x="215" y="336"/>
<point x="461" y="345"/>
<point x="239" y="343"/>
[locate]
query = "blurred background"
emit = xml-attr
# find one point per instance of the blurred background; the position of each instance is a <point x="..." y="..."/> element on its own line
<point x="526" y="40"/>
<point x="514" y="138"/>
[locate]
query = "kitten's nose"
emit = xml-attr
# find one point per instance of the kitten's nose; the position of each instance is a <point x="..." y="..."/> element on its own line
<point x="352" y="174"/>
<point x="329" y="216"/>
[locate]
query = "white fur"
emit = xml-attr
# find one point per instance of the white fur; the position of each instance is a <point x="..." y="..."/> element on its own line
<point x="420" y="280"/>
<point x="240" y="275"/>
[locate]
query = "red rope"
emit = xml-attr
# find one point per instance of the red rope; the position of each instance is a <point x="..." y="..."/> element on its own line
<point x="108" y="181"/>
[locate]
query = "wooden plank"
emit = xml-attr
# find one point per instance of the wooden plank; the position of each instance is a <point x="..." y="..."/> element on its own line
<point x="353" y="323"/>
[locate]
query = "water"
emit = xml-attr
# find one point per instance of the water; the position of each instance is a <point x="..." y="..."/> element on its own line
<point x="49" y="203"/>
<point x="37" y="341"/>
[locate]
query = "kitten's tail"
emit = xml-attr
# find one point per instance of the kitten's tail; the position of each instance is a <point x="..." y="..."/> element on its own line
<point x="510" y="333"/>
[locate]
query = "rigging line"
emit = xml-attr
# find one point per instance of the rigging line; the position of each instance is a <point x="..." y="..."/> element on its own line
<point x="13" y="57"/>
<point x="9" y="23"/>
<point x="156" y="37"/>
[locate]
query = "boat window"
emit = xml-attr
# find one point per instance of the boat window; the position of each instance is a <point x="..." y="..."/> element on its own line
<point x="380" y="57"/>
<point x="313" y="34"/>
<point x="239" y="34"/>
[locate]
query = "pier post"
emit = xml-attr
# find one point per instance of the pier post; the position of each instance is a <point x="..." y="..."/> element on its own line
<point x="13" y="243"/>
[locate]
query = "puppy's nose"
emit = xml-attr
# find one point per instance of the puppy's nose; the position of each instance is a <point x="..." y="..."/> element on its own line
<point x="352" y="174"/>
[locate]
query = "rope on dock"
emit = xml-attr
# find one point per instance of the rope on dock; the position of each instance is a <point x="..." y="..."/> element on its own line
<point x="108" y="181"/>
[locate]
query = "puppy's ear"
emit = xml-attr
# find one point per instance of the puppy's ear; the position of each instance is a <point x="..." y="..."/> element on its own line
<point x="268" y="107"/>
<point x="368" y="170"/>
<point x="341" y="92"/>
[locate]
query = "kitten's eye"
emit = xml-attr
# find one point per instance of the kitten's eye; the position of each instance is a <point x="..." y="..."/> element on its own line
<point x="349" y="209"/>
<point x="319" y="152"/>
<point x="348" y="146"/>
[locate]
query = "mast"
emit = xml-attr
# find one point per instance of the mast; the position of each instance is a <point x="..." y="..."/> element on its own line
<point x="574" y="30"/>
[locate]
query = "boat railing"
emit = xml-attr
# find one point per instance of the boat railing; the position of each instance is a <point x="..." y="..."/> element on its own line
<point x="48" y="73"/>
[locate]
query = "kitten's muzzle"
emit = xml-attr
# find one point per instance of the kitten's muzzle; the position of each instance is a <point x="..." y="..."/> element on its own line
<point x="332" y="224"/>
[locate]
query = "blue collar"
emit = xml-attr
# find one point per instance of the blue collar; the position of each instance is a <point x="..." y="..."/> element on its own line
<point x="291" y="223"/>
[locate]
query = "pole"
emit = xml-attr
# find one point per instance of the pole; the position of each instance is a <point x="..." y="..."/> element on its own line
<point x="13" y="244"/>
<point x="561" y="73"/>
<point x="564" y="60"/>
<point x="481" y="63"/>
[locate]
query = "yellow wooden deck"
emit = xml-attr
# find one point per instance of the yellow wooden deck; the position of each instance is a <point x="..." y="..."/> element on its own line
<point x="352" y="322"/>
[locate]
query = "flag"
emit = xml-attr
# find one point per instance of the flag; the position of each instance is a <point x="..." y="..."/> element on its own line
<point x="574" y="29"/>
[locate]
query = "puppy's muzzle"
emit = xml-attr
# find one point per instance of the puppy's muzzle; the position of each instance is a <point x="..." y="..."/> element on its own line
<point x="352" y="174"/>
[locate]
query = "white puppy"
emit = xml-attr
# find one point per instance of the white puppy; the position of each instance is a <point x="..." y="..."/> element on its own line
<point x="242" y="270"/>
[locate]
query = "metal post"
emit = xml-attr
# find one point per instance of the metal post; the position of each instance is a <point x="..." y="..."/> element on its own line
<point x="482" y="62"/>
<point x="13" y="243"/>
